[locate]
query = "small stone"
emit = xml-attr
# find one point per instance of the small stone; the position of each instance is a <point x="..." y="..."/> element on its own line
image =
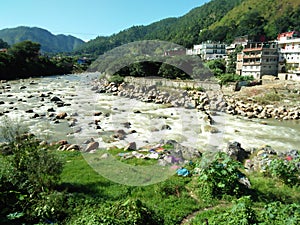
<point x="61" y="116"/>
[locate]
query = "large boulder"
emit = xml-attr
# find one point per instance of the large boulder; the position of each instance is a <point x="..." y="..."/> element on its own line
<point x="92" y="146"/>
<point x="235" y="151"/>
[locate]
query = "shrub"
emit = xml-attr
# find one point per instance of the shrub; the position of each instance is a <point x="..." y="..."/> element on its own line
<point x="221" y="176"/>
<point x="11" y="130"/>
<point x="28" y="177"/>
<point x="284" y="170"/>
<point x="277" y="213"/>
<point x="116" y="78"/>
<point x="122" y="213"/>
<point x="226" y="78"/>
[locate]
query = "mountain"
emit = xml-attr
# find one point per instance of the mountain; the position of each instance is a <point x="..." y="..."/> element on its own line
<point x="217" y="20"/>
<point x="49" y="42"/>
<point x="183" y="30"/>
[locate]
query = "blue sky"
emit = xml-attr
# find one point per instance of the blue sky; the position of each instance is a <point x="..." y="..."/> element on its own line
<point x="88" y="19"/>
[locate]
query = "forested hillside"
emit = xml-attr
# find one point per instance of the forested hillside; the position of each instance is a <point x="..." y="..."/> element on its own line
<point x="218" y="20"/>
<point x="184" y="30"/>
<point x="49" y="42"/>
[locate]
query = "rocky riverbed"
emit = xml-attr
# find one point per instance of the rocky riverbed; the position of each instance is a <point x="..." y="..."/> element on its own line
<point x="85" y="115"/>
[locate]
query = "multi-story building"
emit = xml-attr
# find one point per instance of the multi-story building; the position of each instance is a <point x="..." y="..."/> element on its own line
<point x="209" y="50"/>
<point x="260" y="59"/>
<point x="289" y="52"/>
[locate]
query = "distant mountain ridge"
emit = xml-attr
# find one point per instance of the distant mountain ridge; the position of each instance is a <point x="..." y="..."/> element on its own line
<point x="49" y="42"/>
<point x="217" y="20"/>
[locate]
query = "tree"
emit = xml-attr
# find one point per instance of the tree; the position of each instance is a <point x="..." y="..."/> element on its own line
<point x="217" y="66"/>
<point x="232" y="58"/>
<point x="25" y="50"/>
<point x="3" y="44"/>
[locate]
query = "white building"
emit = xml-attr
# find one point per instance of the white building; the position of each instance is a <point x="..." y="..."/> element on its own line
<point x="209" y="50"/>
<point x="289" y="52"/>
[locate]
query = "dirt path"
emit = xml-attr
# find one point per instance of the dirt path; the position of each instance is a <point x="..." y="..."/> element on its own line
<point x="187" y="220"/>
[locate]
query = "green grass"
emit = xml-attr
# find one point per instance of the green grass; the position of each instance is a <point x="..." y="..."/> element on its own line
<point x="169" y="198"/>
<point x="173" y="199"/>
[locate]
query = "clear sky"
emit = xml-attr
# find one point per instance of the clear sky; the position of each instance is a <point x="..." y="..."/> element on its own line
<point x="88" y="19"/>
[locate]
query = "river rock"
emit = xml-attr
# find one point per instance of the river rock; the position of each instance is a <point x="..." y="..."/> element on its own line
<point x="73" y="147"/>
<point x="92" y="146"/>
<point x="55" y="99"/>
<point x="235" y="151"/>
<point x="29" y="111"/>
<point x="130" y="147"/>
<point x="97" y="113"/>
<point x="166" y="127"/>
<point x="35" y="116"/>
<point x="61" y="116"/>
<point x="50" y="110"/>
<point x="120" y="134"/>
<point x="62" y="142"/>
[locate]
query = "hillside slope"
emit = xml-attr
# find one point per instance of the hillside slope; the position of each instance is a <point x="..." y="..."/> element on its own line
<point x="263" y="17"/>
<point x="183" y="30"/>
<point x="49" y="42"/>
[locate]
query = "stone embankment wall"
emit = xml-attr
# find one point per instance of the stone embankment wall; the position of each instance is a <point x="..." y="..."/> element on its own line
<point x="193" y="84"/>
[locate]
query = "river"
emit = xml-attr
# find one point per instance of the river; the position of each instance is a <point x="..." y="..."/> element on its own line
<point x="143" y="123"/>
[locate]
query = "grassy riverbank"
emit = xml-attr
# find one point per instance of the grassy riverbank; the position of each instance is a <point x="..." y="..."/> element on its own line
<point x="50" y="186"/>
<point x="174" y="199"/>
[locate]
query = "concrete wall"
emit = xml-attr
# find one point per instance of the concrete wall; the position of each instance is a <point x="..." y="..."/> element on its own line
<point x="287" y="76"/>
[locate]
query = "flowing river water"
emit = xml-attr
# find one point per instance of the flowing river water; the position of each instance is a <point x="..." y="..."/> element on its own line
<point x="144" y="123"/>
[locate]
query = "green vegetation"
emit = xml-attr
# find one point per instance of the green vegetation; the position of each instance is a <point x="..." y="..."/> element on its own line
<point x="23" y="60"/>
<point x="268" y="98"/>
<point x="49" y="43"/>
<point x="40" y="185"/>
<point x="256" y="18"/>
<point x="183" y="31"/>
<point x="221" y="176"/>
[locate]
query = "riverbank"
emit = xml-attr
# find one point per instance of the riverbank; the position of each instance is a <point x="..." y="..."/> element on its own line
<point x="278" y="100"/>
<point x="273" y="100"/>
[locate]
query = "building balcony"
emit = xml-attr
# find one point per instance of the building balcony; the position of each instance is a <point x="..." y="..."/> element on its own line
<point x="252" y="49"/>
<point x="252" y="56"/>
<point x="251" y="63"/>
<point x="289" y="50"/>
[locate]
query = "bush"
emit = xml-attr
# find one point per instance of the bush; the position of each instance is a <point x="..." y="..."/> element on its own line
<point x="221" y="176"/>
<point x="240" y="213"/>
<point x="116" y="79"/>
<point x="11" y="130"/>
<point x="277" y="213"/>
<point x="122" y="213"/>
<point x="28" y="178"/>
<point x="226" y="78"/>
<point x="286" y="171"/>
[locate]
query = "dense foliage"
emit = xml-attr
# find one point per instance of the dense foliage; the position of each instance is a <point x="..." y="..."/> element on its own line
<point x="221" y="175"/>
<point x="29" y="174"/>
<point x="23" y="60"/>
<point x="49" y="42"/>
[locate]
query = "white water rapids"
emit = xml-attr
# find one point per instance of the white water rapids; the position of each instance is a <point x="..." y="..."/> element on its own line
<point x="146" y="119"/>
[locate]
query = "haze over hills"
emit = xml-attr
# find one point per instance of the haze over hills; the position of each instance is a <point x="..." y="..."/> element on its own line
<point x="49" y="42"/>
<point x="217" y="20"/>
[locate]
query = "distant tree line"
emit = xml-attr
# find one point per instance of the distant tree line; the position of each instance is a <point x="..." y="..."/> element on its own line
<point x="24" y="60"/>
